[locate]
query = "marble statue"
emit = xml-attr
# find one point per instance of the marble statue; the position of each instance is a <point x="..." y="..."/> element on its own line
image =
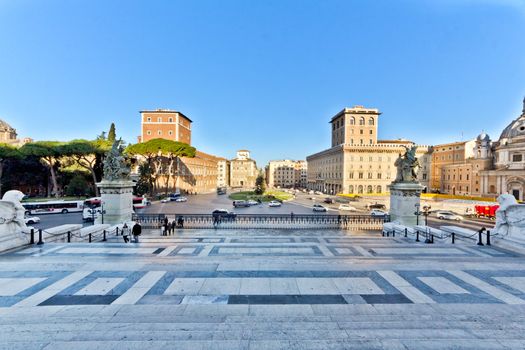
<point x="407" y="166"/>
<point x="12" y="213"/>
<point x="115" y="167"/>
<point x="510" y="217"/>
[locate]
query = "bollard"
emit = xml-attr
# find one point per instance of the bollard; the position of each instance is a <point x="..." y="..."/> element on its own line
<point x="32" y="241"/>
<point x="453" y="237"/>
<point x="117" y="231"/>
<point x="417" y="236"/>
<point x="104" y="237"/>
<point x="383" y="233"/>
<point x="68" y="236"/>
<point x="488" y="237"/>
<point x="406" y="231"/>
<point x="40" y="241"/>
<point x="479" y="237"/>
<point x="394" y="233"/>
<point x="431" y="238"/>
<point x="90" y="238"/>
<point x="388" y="233"/>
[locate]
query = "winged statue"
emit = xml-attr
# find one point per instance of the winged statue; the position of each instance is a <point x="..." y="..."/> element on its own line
<point x="510" y="217"/>
<point x="12" y="213"/>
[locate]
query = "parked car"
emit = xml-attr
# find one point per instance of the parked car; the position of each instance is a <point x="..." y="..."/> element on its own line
<point x="347" y="207"/>
<point x="165" y="200"/>
<point x="318" y="207"/>
<point x="252" y="202"/>
<point x="223" y="214"/>
<point x="181" y="199"/>
<point x="377" y="206"/>
<point x="318" y="193"/>
<point x="240" y="204"/>
<point x="274" y="204"/>
<point x="448" y="215"/>
<point x="378" y="212"/>
<point x="174" y="196"/>
<point x="31" y="220"/>
<point x="329" y="200"/>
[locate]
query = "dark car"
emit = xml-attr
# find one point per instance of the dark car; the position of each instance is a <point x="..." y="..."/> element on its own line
<point x="329" y="200"/>
<point x="377" y="206"/>
<point x="223" y="214"/>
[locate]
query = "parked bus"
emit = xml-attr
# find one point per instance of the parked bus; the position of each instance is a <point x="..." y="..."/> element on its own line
<point x="52" y="207"/>
<point x="140" y="202"/>
<point x="91" y="211"/>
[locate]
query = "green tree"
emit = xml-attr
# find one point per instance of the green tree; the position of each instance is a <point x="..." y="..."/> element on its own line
<point x="6" y="152"/>
<point x="78" y="186"/>
<point x="85" y="154"/>
<point x="161" y="155"/>
<point x="259" y="184"/>
<point x="112" y="135"/>
<point x="49" y="153"/>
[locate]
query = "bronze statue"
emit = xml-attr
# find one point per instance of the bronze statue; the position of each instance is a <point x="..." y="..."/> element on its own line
<point x="407" y="166"/>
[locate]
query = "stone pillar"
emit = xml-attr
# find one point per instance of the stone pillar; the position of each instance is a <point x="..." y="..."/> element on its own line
<point x="117" y="200"/>
<point x="403" y="199"/>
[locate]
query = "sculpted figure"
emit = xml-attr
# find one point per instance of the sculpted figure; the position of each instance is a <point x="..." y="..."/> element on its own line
<point x="510" y="217"/>
<point x="115" y="167"/>
<point x="12" y="213"/>
<point x="407" y="166"/>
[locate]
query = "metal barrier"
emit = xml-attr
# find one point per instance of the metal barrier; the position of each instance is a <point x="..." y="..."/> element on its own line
<point x="262" y="221"/>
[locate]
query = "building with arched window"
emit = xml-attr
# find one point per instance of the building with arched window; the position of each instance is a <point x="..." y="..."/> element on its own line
<point x="358" y="162"/>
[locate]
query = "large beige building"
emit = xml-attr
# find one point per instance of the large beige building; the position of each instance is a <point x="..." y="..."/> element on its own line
<point x="286" y="173"/>
<point x="223" y="173"/>
<point x="9" y="136"/>
<point x="507" y="173"/>
<point x="481" y="167"/>
<point x="243" y="170"/>
<point x="358" y="162"/>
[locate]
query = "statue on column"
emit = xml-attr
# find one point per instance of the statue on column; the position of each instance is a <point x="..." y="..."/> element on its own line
<point x="115" y="166"/>
<point x="407" y="166"/>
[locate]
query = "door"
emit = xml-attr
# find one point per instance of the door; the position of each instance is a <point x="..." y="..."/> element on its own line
<point x="516" y="194"/>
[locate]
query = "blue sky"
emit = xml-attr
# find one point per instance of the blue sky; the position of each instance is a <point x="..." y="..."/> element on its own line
<point x="265" y="75"/>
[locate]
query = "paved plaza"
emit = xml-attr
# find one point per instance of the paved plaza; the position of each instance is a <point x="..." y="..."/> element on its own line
<point x="261" y="289"/>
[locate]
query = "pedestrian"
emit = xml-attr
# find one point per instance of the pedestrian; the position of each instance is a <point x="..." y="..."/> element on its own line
<point x="181" y="222"/>
<point x="173" y="226"/>
<point x="165" y="221"/>
<point x="167" y="228"/>
<point x="125" y="233"/>
<point x="136" y="231"/>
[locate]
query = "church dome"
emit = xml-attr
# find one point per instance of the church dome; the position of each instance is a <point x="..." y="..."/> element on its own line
<point x="514" y="129"/>
<point x="483" y="137"/>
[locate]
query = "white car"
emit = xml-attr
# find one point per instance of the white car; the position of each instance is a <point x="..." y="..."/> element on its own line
<point x="346" y="207"/>
<point x="181" y="199"/>
<point x="31" y="220"/>
<point x="318" y="207"/>
<point x="274" y="204"/>
<point x="165" y="200"/>
<point x="252" y="202"/>
<point x="378" y="212"/>
<point x="448" y="215"/>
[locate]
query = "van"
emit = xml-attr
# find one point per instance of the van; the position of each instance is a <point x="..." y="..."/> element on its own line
<point x="240" y="204"/>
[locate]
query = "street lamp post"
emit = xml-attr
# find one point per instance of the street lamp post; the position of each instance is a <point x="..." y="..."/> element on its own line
<point x="417" y="213"/>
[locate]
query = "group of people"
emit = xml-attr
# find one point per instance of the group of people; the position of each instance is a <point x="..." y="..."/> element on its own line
<point x="169" y="227"/>
<point x="131" y="234"/>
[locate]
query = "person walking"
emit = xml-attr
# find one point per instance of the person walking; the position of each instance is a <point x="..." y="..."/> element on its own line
<point x="137" y="231"/>
<point x="173" y="226"/>
<point x="126" y="233"/>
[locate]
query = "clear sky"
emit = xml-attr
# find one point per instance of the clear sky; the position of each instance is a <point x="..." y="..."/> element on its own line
<point x="265" y="75"/>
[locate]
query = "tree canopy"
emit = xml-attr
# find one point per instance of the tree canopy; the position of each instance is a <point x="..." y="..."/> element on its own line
<point x="161" y="147"/>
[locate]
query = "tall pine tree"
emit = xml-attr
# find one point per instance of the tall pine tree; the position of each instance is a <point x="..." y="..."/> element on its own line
<point x="112" y="135"/>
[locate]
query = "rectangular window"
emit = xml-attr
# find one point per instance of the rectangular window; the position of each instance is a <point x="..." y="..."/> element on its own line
<point x="517" y="157"/>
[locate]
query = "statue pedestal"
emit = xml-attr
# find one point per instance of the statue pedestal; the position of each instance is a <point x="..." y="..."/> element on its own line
<point x="403" y="199"/>
<point x="117" y="201"/>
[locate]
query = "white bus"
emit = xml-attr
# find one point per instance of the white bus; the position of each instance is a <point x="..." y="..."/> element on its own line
<point x="53" y="207"/>
<point x="91" y="208"/>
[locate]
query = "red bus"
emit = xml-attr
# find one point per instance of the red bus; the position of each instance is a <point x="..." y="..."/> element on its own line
<point x="486" y="211"/>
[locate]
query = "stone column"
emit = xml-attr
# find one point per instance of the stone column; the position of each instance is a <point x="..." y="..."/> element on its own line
<point x="403" y="199"/>
<point x="117" y="199"/>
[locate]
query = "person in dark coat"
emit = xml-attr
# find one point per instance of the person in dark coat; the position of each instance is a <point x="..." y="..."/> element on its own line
<point x="136" y="231"/>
